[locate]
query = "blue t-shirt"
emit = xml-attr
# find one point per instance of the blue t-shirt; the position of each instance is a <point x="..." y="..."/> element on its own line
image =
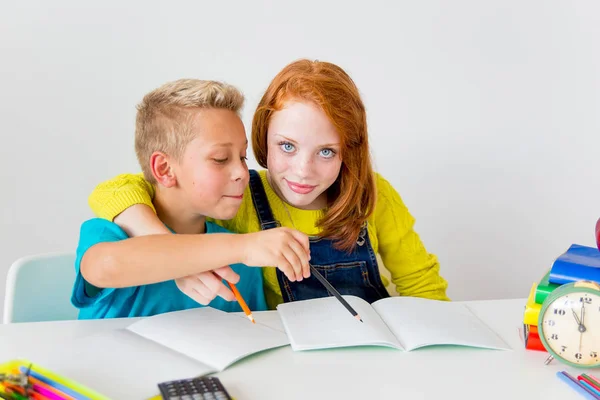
<point x="156" y="298"/>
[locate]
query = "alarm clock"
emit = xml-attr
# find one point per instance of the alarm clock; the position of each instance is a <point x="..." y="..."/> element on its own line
<point x="569" y="324"/>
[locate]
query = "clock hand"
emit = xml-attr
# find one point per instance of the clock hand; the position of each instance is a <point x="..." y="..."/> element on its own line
<point x="581" y="325"/>
<point x="576" y="318"/>
<point x="580" y="337"/>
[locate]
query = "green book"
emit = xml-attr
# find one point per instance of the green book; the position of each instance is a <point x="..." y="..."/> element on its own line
<point x="544" y="288"/>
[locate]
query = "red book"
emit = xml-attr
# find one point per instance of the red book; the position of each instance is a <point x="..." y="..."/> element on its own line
<point x="532" y="338"/>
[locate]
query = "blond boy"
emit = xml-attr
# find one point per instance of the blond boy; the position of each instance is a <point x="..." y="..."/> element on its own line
<point x="191" y="146"/>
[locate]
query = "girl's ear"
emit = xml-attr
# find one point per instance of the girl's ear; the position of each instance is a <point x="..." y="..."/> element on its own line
<point x="162" y="169"/>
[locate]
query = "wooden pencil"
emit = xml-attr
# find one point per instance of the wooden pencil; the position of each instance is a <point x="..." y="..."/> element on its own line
<point x="242" y="302"/>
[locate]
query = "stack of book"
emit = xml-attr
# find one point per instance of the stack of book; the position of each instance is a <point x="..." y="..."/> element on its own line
<point x="578" y="263"/>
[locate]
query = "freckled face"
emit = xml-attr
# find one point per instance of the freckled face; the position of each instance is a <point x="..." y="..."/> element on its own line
<point x="303" y="158"/>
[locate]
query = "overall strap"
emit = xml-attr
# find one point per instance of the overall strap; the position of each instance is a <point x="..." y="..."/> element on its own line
<point x="261" y="203"/>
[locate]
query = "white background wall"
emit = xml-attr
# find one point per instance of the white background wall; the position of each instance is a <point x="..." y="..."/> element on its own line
<point x="484" y="115"/>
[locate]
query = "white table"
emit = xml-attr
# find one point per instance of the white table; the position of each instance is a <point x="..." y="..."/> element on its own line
<point x="350" y="373"/>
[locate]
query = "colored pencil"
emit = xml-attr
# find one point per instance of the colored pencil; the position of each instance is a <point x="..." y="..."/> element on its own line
<point x="242" y="302"/>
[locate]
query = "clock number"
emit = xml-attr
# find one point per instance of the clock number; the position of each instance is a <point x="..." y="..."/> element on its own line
<point x="554" y="336"/>
<point x="594" y="354"/>
<point x="551" y="322"/>
<point x="563" y="349"/>
<point x="559" y="311"/>
<point x="578" y="356"/>
<point x="585" y="299"/>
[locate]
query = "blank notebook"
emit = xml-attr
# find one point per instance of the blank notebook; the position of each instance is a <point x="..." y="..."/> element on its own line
<point x="164" y="347"/>
<point x="404" y="323"/>
<point x="213" y="337"/>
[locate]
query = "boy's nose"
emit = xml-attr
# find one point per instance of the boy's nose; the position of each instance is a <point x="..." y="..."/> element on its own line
<point x="240" y="172"/>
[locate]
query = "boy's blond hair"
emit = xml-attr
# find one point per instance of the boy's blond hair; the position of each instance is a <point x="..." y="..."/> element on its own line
<point x="165" y="115"/>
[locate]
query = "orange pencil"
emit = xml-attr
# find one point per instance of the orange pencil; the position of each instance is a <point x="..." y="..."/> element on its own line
<point x="243" y="304"/>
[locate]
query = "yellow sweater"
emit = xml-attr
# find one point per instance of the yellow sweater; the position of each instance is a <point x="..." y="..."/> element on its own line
<point x="413" y="271"/>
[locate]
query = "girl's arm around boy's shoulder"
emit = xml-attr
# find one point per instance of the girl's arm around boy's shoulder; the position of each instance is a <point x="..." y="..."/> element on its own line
<point x="113" y="196"/>
<point x="414" y="271"/>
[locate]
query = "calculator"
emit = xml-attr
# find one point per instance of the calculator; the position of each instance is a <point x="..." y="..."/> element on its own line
<point x="204" y="388"/>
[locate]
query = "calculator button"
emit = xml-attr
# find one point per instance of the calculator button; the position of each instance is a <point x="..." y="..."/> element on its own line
<point x="206" y="388"/>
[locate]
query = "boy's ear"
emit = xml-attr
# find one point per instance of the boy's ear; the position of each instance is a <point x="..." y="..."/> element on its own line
<point x="162" y="169"/>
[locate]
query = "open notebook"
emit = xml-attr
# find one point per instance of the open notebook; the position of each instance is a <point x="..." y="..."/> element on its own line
<point x="404" y="323"/>
<point x="213" y="337"/>
<point x="164" y="347"/>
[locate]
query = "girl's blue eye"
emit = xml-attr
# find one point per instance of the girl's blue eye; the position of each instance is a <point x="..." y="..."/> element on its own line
<point x="327" y="153"/>
<point x="287" y="147"/>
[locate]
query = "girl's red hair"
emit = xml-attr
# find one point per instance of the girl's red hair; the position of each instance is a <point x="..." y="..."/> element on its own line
<point x="351" y="199"/>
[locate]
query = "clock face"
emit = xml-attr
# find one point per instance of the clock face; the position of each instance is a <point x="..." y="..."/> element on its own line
<point x="570" y="326"/>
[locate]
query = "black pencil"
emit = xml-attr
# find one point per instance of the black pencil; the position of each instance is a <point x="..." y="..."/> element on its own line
<point x="332" y="290"/>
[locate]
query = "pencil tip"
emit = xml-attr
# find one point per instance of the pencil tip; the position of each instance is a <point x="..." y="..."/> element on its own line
<point x="358" y="317"/>
<point x="251" y="318"/>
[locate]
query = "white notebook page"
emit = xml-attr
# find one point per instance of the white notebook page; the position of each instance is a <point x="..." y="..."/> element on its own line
<point x="211" y="336"/>
<point x="423" y="322"/>
<point x="326" y="323"/>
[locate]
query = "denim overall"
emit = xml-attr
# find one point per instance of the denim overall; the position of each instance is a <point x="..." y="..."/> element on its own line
<point x="354" y="273"/>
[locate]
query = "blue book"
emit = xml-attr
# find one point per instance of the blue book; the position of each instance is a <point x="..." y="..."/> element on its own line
<point x="579" y="263"/>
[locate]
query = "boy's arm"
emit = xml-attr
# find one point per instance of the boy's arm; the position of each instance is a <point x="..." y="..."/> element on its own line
<point x="155" y="258"/>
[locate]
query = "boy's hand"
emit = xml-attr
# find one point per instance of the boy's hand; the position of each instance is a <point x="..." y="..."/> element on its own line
<point x="205" y="286"/>
<point x="286" y="248"/>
